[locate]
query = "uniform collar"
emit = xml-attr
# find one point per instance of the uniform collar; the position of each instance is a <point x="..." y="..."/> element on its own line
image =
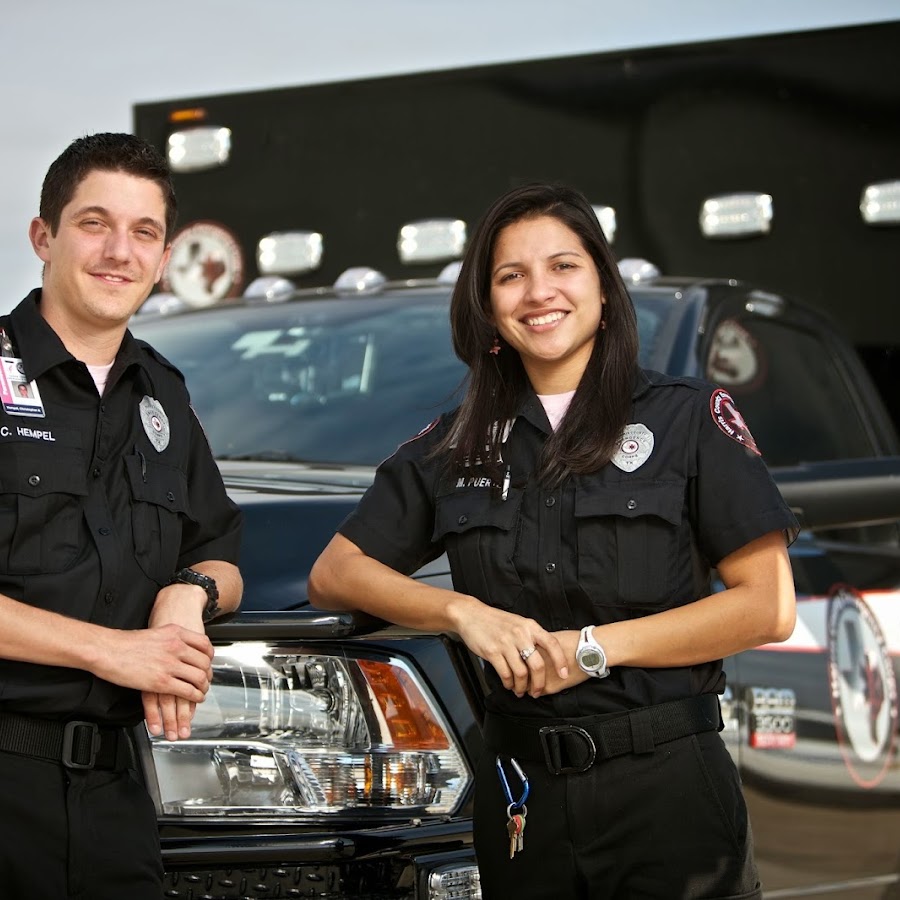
<point x="39" y="346"/>
<point x="531" y="408"/>
<point x="641" y="383"/>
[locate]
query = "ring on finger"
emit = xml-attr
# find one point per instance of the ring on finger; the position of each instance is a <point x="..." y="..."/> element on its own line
<point x="526" y="652"/>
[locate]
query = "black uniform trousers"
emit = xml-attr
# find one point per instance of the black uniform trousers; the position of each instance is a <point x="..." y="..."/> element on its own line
<point x="670" y="824"/>
<point x="76" y="834"/>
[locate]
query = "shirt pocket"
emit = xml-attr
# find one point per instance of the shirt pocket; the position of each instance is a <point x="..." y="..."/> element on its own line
<point x="159" y="501"/>
<point x="628" y="537"/>
<point x="480" y="532"/>
<point x="42" y="486"/>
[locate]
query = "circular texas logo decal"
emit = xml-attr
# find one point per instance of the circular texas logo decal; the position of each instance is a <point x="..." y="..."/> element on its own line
<point x="206" y="264"/>
<point x="863" y="687"/>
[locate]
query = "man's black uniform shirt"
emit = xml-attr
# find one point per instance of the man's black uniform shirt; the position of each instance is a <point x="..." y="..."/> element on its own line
<point x="94" y="519"/>
<point x="604" y="547"/>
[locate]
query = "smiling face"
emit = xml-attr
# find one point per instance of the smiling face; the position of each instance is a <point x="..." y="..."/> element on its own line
<point x="546" y="300"/>
<point x="108" y="252"/>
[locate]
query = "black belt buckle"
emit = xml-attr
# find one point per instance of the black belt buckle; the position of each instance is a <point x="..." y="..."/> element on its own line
<point x="78" y="745"/>
<point x="552" y="742"/>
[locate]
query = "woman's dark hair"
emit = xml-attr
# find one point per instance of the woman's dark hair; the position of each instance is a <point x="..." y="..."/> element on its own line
<point x="589" y="433"/>
<point x="106" y="152"/>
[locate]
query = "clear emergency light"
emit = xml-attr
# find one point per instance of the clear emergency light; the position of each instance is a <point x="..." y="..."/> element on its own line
<point x="431" y="240"/>
<point x="880" y="203"/>
<point x="736" y="215"/>
<point x="606" y="216"/>
<point x="289" y="253"/>
<point x="198" y="148"/>
<point x="359" y="280"/>
<point x="269" y="289"/>
<point x="637" y="271"/>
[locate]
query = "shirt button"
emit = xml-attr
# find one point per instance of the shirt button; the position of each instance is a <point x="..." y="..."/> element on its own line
<point x="170" y="497"/>
<point x="104" y="531"/>
<point x="34" y="480"/>
<point x="550" y="567"/>
<point x="108" y="597"/>
<point x="550" y="501"/>
<point x="96" y="472"/>
<point x="462" y="520"/>
<point x="632" y="504"/>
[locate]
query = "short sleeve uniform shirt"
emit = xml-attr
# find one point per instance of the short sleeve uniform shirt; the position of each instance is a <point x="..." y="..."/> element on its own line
<point x="101" y="501"/>
<point x="686" y="488"/>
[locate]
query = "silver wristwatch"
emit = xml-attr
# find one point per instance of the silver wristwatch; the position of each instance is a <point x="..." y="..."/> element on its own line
<point x="590" y="656"/>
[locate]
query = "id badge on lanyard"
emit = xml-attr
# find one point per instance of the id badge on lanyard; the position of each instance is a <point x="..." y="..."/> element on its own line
<point x="19" y="396"/>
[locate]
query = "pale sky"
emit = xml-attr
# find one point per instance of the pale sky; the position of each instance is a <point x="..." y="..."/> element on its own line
<point x="68" y="69"/>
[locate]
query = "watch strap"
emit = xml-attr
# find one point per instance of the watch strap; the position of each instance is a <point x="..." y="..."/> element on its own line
<point x="208" y="583"/>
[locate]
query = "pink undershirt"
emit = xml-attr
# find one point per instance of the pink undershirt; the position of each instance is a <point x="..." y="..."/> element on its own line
<point x="100" y="374"/>
<point x="555" y="405"/>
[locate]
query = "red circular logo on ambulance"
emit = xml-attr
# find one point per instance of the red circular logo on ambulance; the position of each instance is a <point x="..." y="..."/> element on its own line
<point x="206" y="264"/>
<point x="729" y="421"/>
<point x="863" y="687"/>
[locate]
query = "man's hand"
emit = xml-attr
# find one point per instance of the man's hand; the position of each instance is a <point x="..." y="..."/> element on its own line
<point x="169" y="712"/>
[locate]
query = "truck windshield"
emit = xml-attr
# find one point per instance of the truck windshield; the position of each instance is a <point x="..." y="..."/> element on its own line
<point x="341" y="381"/>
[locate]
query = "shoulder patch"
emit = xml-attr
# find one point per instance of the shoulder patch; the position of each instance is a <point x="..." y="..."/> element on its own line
<point x="429" y="427"/>
<point x="729" y="421"/>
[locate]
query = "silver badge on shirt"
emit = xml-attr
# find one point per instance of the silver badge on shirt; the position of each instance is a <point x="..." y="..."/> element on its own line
<point x="635" y="447"/>
<point x="155" y="422"/>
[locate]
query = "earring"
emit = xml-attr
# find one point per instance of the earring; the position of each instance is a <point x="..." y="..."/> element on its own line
<point x="603" y="324"/>
<point x="495" y="347"/>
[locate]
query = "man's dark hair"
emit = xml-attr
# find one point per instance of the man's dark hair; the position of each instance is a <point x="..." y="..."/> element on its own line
<point x="589" y="433"/>
<point x="105" y="152"/>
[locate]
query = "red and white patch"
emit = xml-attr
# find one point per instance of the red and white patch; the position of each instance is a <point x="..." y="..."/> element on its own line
<point x="729" y="421"/>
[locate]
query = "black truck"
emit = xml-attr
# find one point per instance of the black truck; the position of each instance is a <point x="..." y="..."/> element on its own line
<point x="333" y="756"/>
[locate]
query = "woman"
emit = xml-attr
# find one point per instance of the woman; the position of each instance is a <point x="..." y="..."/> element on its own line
<point x="582" y="502"/>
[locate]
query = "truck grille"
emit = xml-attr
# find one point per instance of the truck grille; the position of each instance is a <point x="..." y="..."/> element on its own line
<point x="376" y="880"/>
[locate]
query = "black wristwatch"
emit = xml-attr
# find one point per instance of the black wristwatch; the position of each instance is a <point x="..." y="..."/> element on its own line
<point x="189" y="576"/>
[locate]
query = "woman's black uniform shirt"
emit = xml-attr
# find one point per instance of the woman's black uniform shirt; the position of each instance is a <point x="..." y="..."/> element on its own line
<point x="604" y="547"/>
<point x="94" y="520"/>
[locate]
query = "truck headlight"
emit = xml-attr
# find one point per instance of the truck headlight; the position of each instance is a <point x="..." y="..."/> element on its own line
<point x="287" y="731"/>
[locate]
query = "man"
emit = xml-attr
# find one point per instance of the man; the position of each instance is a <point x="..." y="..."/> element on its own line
<point x="117" y="541"/>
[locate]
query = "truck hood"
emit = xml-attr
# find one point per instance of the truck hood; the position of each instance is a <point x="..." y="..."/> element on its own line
<point x="291" y="511"/>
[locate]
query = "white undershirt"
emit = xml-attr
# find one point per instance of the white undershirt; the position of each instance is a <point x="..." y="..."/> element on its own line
<point x="99" y="374"/>
<point x="555" y="405"/>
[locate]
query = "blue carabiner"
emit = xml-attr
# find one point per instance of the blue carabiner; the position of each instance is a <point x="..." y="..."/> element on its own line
<point x="514" y="804"/>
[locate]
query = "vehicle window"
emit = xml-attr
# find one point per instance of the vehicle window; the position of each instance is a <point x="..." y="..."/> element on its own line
<point x="790" y="391"/>
<point x="324" y="381"/>
<point x="336" y="381"/>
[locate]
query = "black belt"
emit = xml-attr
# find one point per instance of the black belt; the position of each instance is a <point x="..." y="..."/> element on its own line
<point x="569" y="746"/>
<point x="77" y="745"/>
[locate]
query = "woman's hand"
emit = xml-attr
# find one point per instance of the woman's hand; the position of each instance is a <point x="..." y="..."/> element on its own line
<point x="553" y="681"/>
<point x="500" y="637"/>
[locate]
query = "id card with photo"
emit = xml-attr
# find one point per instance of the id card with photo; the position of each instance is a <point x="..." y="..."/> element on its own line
<point x="19" y="397"/>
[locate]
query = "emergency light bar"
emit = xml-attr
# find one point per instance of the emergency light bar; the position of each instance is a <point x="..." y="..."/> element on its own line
<point x="880" y="203"/>
<point x="736" y="215"/>
<point x="199" y="148"/>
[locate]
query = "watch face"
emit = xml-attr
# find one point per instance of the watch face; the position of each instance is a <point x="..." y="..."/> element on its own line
<point x="590" y="658"/>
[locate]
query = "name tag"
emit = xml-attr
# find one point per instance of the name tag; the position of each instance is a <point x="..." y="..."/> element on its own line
<point x="19" y="396"/>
